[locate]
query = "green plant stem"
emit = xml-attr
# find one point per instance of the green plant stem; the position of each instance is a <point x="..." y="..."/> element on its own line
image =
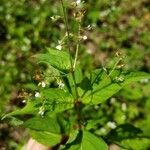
<point x="67" y="31"/>
<point x="114" y="67"/>
<point x="69" y="47"/>
<point x="77" y="47"/>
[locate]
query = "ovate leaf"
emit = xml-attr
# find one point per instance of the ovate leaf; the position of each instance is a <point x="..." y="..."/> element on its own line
<point x="52" y="99"/>
<point x="91" y="142"/>
<point x="56" y="100"/>
<point x="105" y="90"/>
<point x="45" y="130"/>
<point x="129" y="137"/>
<point x="46" y="138"/>
<point x="57" y="59"/>
<point x="88" y="141"/>
<point x="30" y="108"/>
<point x="124" y="131"/>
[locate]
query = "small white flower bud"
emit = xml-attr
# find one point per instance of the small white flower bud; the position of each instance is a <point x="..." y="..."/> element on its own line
<point x="84" y="37"/>
<point x="112" y="100"/>
<point x="78" y="2"/>
<point x="119" y="79"/>
<point x="43" y="84"/>
<point x="41" y="111"/>
<point x="89" y="27"/>
<point x="37" y="94"/>
<point x="61" y="85"/>
<point x="59" y="47"/>
<point x="24" y="101"/>
<point x="103" y="130"/>
<point x="111" y="124"/>
<point x="144" y="80"/>
<point x="124" y="106"/>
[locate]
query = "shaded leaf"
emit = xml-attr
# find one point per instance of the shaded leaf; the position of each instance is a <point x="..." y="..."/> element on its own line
<point x="129" y="137"/>
<point x="125" y="131"/>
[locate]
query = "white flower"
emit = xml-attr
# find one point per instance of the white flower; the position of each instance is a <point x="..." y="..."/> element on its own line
<point x="119" y="79"/>
<point x="78" y="2"/>
<point x="123" y="117"/>
<point x="103" y="130"/>
<point x="84" y="37"/>
<point x="24" y="101"/>
<point x="112" y="100"/>
<point x="144" y="80"/>
<point x="61" y="85"/>
<point x="89" y="27"/>
<point x="96" y="107"/>
<point x="43" y="84"/>
<point x="124" y="106"/>
<point x="59" y="47"/>
<point x="111" y="124"/>
<point x="37" y="94"/>
<point x="41" y="111"/>
<point x="104" y="69"/>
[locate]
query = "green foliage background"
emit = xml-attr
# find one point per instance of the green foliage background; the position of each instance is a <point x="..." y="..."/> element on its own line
<point x="26" y="28"/>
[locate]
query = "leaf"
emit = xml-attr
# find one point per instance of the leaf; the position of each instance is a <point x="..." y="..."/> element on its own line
<point x="45" y="130"/>
<point x="57" y="59"/>
<point x="78" y="78"/>
<point x="105" y="90"/>
<point x="45" y="138"/>
<point x="91" y="142"/>
<point x="129" y="137"/>
<point x="54" y="100"/>
<point x="88" y="141"/>
<point x="135" y="144"/>
<point x="85" y="84"/>
<point x="49" y="124"/>
<point x="132" y="92"/>
<point x="30" y="108"/>
<point x="124" y="131"/>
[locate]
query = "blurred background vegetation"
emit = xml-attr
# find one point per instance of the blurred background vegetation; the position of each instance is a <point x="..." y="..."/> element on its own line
<point x="27" y="28"/>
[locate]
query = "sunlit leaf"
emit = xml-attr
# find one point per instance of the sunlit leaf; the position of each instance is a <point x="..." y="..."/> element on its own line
<point x="57" y="59"/>
<point x="88" y="141"/>
<point x="45" y="130"/>
<point x="102" y="92"/>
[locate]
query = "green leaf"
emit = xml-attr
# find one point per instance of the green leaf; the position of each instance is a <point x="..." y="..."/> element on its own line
<point x="49" y="124"/>
<point x="91" y="142"/>
<point x="132" y="92"/>
<point x="124" y="131"/>
<point x="135" y="144"/>
<point x="46" y="138"/>
<point x="56" y="100"/>
<point x="129" y="137"/>
<point x="30" y="108"/>
<point x="53" y="100"/>
<point x="57" y="59"/>
<point x="78" y="77"/>
<point x="85" y="84"/>
<point x="56" y="94"/>
<point x="88" y="141"/>
<point x="107" y="88"/>
<point x="45" y="130"/>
